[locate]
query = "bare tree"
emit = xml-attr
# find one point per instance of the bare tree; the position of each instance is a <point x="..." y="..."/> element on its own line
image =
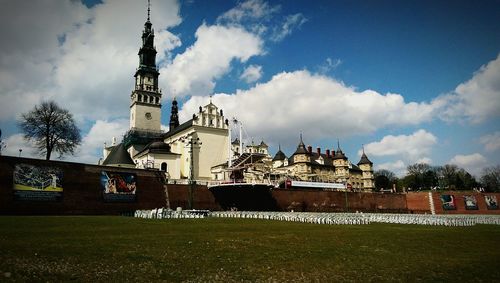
<point x="51" y="128"/>
<point x="491" y="178"/>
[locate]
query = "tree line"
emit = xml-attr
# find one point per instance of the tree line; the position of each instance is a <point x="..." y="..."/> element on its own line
<point x="422" y="176"/>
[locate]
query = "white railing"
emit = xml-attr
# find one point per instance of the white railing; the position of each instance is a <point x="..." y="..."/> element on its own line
<point x="240" y="182"/>
<point x="187" y="182"/>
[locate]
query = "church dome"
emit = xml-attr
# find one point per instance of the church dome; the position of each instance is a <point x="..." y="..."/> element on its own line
<point x="159" y="146"/>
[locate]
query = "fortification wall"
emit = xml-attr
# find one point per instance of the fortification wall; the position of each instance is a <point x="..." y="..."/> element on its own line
<point x="418" y="202"/>
<point x="82" y="192"/>
<point x="202" y="197"/>
<point x="460" y="207"/>
<point x="329" y="201"/>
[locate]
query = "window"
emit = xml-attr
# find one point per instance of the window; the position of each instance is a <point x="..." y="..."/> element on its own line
<point x="163" y="167"/>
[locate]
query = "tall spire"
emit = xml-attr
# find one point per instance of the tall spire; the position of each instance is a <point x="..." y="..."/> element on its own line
<point x="147" y="53"/>
<point x="174" y="117"/>
<point x="149" y="6"/>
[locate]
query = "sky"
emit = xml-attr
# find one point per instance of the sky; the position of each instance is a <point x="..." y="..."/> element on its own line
<point x="410" y="81"/>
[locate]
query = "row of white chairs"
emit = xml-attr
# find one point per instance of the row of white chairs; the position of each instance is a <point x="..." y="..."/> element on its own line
<point x="429" y="219"/>
<point x="327" y="218"/>
<point x="365" y="218"/>
<point x="164" y="213"/>
<point x="305" y="217"/>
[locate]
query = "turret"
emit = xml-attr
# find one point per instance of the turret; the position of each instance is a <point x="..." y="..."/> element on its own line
<point x="174" y="116"/>
<point x="279" y="158"/>
<point x="367" y="167"/>
<point x="301" y="154"/>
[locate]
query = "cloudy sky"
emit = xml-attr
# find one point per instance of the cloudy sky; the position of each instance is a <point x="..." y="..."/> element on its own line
<point x="414" y="81"/>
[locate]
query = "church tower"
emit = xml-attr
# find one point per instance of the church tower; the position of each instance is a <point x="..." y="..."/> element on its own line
<point x="145" y="107"/>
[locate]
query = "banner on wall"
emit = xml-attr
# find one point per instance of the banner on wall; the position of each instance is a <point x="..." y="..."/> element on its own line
<point x="37" y="183"/>
<point x="491" y="202"/>
<point x="448" y="202"/>
<point x="118" y="186"/>
<point x="470" y="202"/>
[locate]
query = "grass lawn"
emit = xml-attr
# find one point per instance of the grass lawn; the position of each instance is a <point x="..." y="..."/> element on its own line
<point x="225" y="250"/>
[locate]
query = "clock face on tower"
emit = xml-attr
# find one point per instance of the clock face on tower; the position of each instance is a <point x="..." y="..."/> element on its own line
<point x="148" y="115"/>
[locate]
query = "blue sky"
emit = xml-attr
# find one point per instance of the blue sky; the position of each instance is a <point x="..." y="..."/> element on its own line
<point x="414" y="81"/>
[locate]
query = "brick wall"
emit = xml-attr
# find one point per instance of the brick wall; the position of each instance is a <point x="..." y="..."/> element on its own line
<point x="82" y="191"/>
<point x="460" y="203"/>
<point x="202" y="197"/>
<point x="418" y="202"/>
<point x="328" y="201"/>
<point x="82" y="195"/>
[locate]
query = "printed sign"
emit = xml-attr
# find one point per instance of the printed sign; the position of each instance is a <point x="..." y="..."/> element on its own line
<point x="37" y="183"/>
<point x="470" y="202"/>
<point x="448" y="202"/>
<point x="491" y="202"/>
<point x="118" y="186"/>
<point x="319" y="185"/>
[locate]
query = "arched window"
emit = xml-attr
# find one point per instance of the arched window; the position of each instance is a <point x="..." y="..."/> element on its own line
<point x="163" y="167"/>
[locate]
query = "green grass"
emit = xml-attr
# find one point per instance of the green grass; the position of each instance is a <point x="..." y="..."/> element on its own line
<point x="225" y="250"/>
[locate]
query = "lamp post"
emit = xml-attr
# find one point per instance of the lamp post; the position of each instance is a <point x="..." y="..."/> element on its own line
<point x="191" y="141"/>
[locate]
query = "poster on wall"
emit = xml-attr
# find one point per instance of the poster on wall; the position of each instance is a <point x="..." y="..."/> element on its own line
<point x="37" y="183"/>
<point x="118" y="186"/>
<point x="470" y="202"/>
<point x="448" y="202"/>
<point x="491" y="202"/>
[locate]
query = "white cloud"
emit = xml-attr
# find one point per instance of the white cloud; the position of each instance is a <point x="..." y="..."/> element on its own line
<point x="88" y="152"/>
<point x="414" y="148"/>
<point x="491" y="142"/>
<point x="319" y="106"/>
<point x="290" y="23"/>
<point x="93" y="142"/>
<point x="252" y="73"/>
<point x="397" y="167"/>
<point x="251" y="10"/>
<point x="472" y="163"/>
<point x="477" y="99"/>
<point x="425" y="160"/>
<point x="329" y="65"/>
<point x="16" y="142"/>
<point x="77" y="56"/>
<point x="195" y="71"/>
